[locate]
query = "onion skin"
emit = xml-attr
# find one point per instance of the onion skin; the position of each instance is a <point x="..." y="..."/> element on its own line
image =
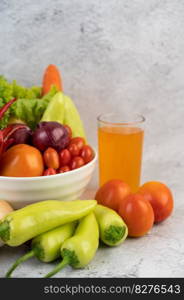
<point x="50" y="134"/>
<point x="14" y="134"/>
<point x="22" y="135"/>
<point x="5" y="208"/>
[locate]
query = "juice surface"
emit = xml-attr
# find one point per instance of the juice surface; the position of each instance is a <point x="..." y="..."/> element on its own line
<point x="120" y="154"/>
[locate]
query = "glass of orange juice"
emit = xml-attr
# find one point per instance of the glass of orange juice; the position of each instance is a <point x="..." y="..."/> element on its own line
<point x="120" y="144"/>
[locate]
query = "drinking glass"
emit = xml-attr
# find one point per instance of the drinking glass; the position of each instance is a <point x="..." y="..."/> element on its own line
<point x="120" y="146"/>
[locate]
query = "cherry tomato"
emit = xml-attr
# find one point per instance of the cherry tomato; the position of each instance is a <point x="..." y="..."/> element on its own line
<point x="22" y="161"/>
<point x="160" y="198"/>
<point x="51" y="158"/>
<point x="49" y="171"/>
<point x="77" y="162"/>
<point x="137" y="213"/>
<point x="87" y="153"/>
<point x="64" y="169"/>
<point x="79" y="141"/>
<point x="65" y="157"/>
<point x="74" y="150"/>
<point x="112" y="193"/>
<point x="68" y="130"/>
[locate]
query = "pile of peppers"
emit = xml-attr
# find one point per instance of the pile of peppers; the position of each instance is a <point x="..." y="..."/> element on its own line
<point x="70" y="229"/>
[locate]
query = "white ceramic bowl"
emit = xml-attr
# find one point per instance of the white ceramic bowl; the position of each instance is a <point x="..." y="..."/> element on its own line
<point x="20" y="191"/>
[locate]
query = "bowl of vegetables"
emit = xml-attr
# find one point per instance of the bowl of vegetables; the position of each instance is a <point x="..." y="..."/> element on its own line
<point x="44" y="152"/>
<point x="69" y="185"/>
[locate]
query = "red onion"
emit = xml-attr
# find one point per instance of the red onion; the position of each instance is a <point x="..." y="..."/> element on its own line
<point x="14" y="134"/>
<point x="21" y="135"/>
<point x="50" y="134"/>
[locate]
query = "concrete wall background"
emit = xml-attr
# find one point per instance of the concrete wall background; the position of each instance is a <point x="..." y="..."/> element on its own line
<point x="118" y="54"/>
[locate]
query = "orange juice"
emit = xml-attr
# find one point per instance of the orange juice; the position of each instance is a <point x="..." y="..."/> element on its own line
<point x="120" y="154"/>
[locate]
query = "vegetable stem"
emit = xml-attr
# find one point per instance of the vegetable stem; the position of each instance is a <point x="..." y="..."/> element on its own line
<point x="114" y="234"/>
<point x="3" y="227"/>
<point x="59" y="267"/>
<point x="19" y="261"/>
<point x="4" y="230"/>
<point x="5" y="107"/>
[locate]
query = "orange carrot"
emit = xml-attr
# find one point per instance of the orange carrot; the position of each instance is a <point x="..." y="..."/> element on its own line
<point x="51" y="77"/>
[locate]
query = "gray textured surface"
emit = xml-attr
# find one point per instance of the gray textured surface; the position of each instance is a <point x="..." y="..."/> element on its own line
<point x="125" y="55"/>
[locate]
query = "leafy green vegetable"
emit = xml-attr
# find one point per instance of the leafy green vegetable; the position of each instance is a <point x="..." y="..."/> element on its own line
<point x="29" y="107"/>
<point x="31" y="110"/>
<point x="27" y="93"/>
<point x="13" y="90"/>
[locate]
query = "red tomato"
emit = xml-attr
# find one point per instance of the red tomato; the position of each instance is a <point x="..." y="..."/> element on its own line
<point x="87" y="153"/>
<point x="49" y="171"/>
<point x="77" y="162"/>
<point x="68" y="130"/>
<point x="51" y="158"/>
<point x="64" y="169"/>
<point x="22" y="161"/>
<point x="79" y="141"/>
<point x="112" y="193"/>
<point x="137" y="213"/>
<point x="65" y="157"/>
<point x="74" y="150"/>
<point x="160" y="198"/>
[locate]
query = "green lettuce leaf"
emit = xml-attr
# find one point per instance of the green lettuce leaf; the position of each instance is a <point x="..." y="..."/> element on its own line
<point x="31" y="110"/>
<point x="29" y="107"/>
<point x="9" y="90"/>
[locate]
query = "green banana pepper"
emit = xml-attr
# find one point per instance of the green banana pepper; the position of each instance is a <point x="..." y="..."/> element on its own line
<point x="26" y="223"/>
<point x="46" y="246"/>
<point x="80" y="249"/>
<point x="113" y="230"/>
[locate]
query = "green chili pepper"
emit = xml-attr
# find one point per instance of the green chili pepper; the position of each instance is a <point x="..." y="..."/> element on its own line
<point x="26" y="223"/>
<point x="46" y="247"/>
<point x="80" y="249"/>
<point x="113" y="230"/>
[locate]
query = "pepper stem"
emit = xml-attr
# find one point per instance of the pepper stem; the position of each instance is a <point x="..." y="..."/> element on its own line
<point x="58" y="268"/>
<point x="4" y="230"/>
<point x="19" y="261"/>
<point x="3" y="227"/>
